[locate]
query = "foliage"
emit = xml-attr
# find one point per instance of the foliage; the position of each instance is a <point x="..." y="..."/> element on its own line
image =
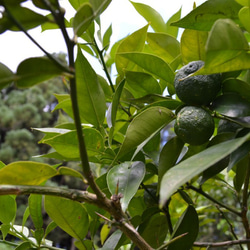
<point x="138" y="190"/>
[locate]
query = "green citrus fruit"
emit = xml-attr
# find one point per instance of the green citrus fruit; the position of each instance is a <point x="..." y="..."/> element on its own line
<point x="194" y="125"/>
<point x="196" y="90"/>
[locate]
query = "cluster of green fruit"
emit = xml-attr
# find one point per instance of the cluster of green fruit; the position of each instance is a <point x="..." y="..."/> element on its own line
<point x="194" y="124"/>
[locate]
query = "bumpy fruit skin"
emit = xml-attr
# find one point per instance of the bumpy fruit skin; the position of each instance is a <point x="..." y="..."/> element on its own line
<point x="196" y="90"/>
<point x="194" y="125"/>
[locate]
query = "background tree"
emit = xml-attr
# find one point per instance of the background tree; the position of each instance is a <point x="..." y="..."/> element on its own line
<point x="137" y="191"/>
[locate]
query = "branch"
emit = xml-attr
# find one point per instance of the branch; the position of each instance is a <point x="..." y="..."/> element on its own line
<point x="221" y="244"/>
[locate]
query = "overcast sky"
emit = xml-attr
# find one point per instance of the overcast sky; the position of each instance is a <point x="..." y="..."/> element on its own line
<point x="15" y="46"/>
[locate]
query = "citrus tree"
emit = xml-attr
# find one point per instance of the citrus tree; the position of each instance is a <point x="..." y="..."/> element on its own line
<point x="140" y="190"/>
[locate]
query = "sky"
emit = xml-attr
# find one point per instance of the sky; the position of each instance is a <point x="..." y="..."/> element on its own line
<point x="15" y="46"/>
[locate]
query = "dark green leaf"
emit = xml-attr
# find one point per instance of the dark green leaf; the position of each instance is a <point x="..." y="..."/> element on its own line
<point x="193" y="45"/>
<point x="35" y="209"/>
<point x="6" y="76"/>
<point x="154" y="230"/>
<point x="36" y="70"/>
<point x="26" y="173"/>
<point x="7" y="208"/>
<point x="69" y="215"/>
<point x="240" y="173"/>
<point x="168" y="156"/>
<point x="232" y="105"/>
<point x="91" y="98"/>
<point x="194" y="165"/>
<point x="152" y="64"/>
<point x="204" y="16"/>
<point x="143" y="127"/>
<point x="125" y="179"/>
<point x="151" y="16"/>
<point x="26" y="17"/>
<point x="188" y="218"/>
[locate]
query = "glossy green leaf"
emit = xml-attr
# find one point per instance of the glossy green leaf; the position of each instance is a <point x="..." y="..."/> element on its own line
<point x="99" y="6"/>
<point x="26" y="173"/>
<point x="69" y="215"/>
<point x="84" y="245"/>
<point x="243" y="2"/>
<point x="112" y="241"/>
<point x="26" y="17"/>
<point x="240" y="173"/>
<point x="35" y="209"/>
<point x="7" y="208"/>
<point x="231" y="104"/>
<point x="168" y="156"/>
<point x="70" y="172"/>
<point x="24" y="245"/>
<point x="172" y="30"/>
<point x="35" y="70"/>
<point x="83" y="18"/>
<point x="106" y="37"/>
<point x="188" y="223"/>
<point x="151" y="15"/>
<point x="244" y="15"/>
<point x="237" y="86"/>
<point x="26" y="214"/>
<point x="193" y="45"/>
<point x="134" y="42"/>
<point x="51" y="226"/>
<point x="164" y="46"/>
<point x="76" y="4"/>
<point x="64" y="103"/>
<point x="194" y="165"/>
<point x="204" y="16"/>
<point x="6" y="76"/>
<point x="91" y="98"/>
<point x="112" y="110"/>
<point x="141" y="84"/>
<point x="67" y="144"/>
<point x="154" y="231"/>
<point x="144" y="126"/>
<point x="152" y="64"/>
<point x="125" y="179"/>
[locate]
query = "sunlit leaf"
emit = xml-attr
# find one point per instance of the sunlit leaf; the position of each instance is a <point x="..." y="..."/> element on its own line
<point x="204" y="16"/>
<point x="144" y="126"/>
<point x="125" y="179"/>
<point x="151" y="16"/>
<point x="91" y="98"/>
<point x="35" y="70"/>
<point x="193" y="45"/>
<point x="194" y="165"/>
<point x="71" y="217"/>
<point x="172" y="30"/>
<point x="244" y="15"/>
<point x="132" y="43"/>
<point x="70" y="172"/>
<point x="189" y="217"/>
<point x="7" y="208"/>
<point x="152" y="64"/>
<point x="26" y="173"/>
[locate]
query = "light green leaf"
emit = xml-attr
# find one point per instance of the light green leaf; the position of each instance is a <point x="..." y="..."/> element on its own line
<point x="69" y="215"/>
<point x="35" y="70"/>
<point x="244" y="15"/>
<point x="91" y="98"/>
<point x="152" y="64"/>
<point x="141" y="84"/>
<point x="144" y="126"/>
<point x="193" y="45"/>
<point x="132" y="43"/>
<point x="26" y="173"/>
<point x="243" y="2"/>
<point x="64" y="103"/>
<point x="171" y="30"/>
<point x="194" y="165"/>
<point x="164" y="46"/>
<point x="112" y="241"/>
<point x="106" y="37"/>
<point x="70" y="172"/>
<point x="7" y="208"/>
<point x="67" y="144"/>
<point x="35" y="209"/>
<point x="204" y="16"/>
<point x="6" y="76"/>
<point x="189" y="217"/>
<point x="151" y="15"/>
<point x="83" y="18"/>
<point x="125" y="179"/>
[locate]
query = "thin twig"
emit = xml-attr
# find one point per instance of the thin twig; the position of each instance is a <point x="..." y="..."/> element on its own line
<point x="221" y="244"/>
